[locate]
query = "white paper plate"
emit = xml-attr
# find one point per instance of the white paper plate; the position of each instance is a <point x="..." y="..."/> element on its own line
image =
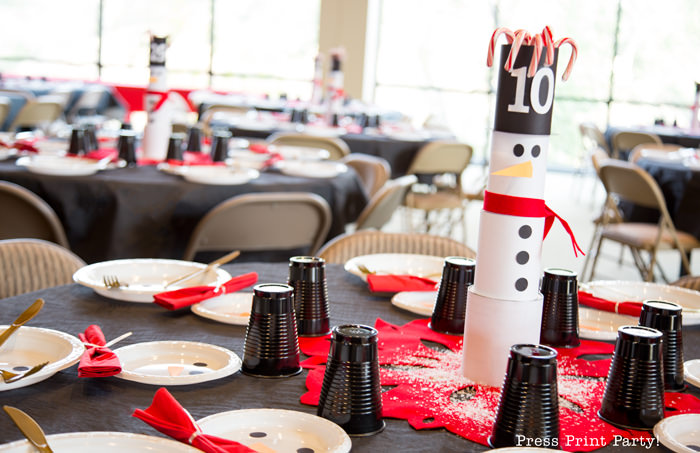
<point x="310" y="169"/>
<point x="31" y="346"/>
<point x="6" y="153"/>
<point x="231" y="308"/>
<point x="679" y="433"/>
<point x="218" y="175"/>
<point x="300" y="152"/>
<point x="397" y="263"/>
<point x="618" y="291"/>
<point x="324" y="131"/>
<point x="419" y="302"/>
<point x="600" y="324"/>
<point x="104" y="442"/>
<point x="145" y="277"/>
<point x="175" y="362"/>
<point x="278" y="430"/>
<point x="692" y="372"/>
<point x="61" y="166"/>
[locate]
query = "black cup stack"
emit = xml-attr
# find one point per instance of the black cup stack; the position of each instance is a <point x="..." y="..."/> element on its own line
<point x="219" y="145"/>
<point x="194" y="139"/>
<point x="127" y="146"/>
<point x="307" y="275"/>
<point x="79" y="142"/>
<point x="667" y="318"/>
<point x="559" y="289"/>
<point x="451" y="302"/>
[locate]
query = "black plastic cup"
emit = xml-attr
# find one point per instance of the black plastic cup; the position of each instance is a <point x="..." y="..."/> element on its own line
<point x="363" y="120"/>
<point x="271" y="346"/>
<point x="307" y="275"/>
<point x="219" y="145"/>
<point x="304" y="116"/>
<point x="295" y="116"/>
<point x="529" y="405"/>
<point x="175" y="147"/>
<point x="194" y="139"/>
<point x="127" y="146"/>
<point x="667" y="318"/>
<point x="351" y="392"/>
<point x="451" y="302"/>
<point x="335" y="121"/>
<point x="559" y="289"/>
<point x="79" y="144"/>
<point x="634" y="392"/>
<point x="91" y="134"/>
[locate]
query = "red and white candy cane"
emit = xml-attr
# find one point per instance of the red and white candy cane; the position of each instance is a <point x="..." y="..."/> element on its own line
<point x="540" y="41"/>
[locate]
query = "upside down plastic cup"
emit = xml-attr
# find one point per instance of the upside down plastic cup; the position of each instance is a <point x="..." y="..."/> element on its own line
<point x="79" y="143"/>
<point x="126" y="146"/>
<point x="91" y="137"/>
<point x="451" y="302"/>
<point x="529" y="404"/>
<point x="559" y="290"/>
<point x="194" y="139"/>
<point x="219" y="145"/>
<point x="667" y="318"/>
<point x="351" y="393"/>
<point x="271" y="344"/>
<point x="175" y="147"/>
<point x="307" y="275"/>
<point x="634" y="392"/>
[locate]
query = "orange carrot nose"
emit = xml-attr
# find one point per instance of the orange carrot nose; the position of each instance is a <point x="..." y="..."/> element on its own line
<point x="523" y="170"/>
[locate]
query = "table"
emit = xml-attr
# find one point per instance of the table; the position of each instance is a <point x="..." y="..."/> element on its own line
<point x="667" y="134"/>
<point x="143" y="212"/>
<point x="65" y="403"/>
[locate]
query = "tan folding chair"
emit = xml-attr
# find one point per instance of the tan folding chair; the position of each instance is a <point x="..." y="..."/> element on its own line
<point x="624" y="141"/>
<point x="334" y="145"/>
<point x="341" y="248"/>
<point x="593" y="138"/>
<point x="221" y="111"/>
<point x="441" y="202"/>
<point x="383" y="204"/>
<point x="625" y="181"/>
<point x="32" y="264"/>
<point x="689" y="282"/>
<point x="38" y="114"/>
<point x="28" y="216"/>
<point x="373" y="171"/>
<point x="263" y="222"/>
<point x="651" y="148"/>
<point x="4" y="109"/>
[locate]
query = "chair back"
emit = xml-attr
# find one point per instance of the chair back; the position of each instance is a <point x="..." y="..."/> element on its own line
<point x="382" y="206"/>
<point x="629" y="182"/>
<point x="624" y="141"/>
<point x="598" y="156"/>
<point x="373" y="171"/>
<point x="4" y="109"/>
<point x="334" y="145"/>
<point x="88" y="102"/>
<point x="32" y="264"/>
<point x="346" y="246"/>
<point x="441" y="156"/>
<point x="214" y="111"/>
<point x="37" y="114"/>
<point x="263" y="222"/>
<point x="592" y="137"/>
<point x="639" y="150"/>
<point x="31" y="217"/>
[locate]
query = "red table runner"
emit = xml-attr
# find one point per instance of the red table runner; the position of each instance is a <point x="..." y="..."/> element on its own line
<point x="428" y="390"/>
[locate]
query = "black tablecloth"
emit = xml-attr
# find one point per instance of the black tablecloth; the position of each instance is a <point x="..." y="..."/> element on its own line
<point x="667" y="134"/>
<point x="681" y="189"/>
<point x="65" y="403"/>
<point x="143" y="212"/>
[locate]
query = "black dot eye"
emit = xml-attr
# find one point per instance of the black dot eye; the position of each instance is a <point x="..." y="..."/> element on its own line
<point x="518" y="150"/>
<point x="525" y="231"/>
<point x="536" y="150"/>
<point x="521" y="284"/>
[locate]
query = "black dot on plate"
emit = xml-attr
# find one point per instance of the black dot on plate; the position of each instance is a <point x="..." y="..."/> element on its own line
<point x="521" y="284"/>
<point x="193" y="372"/>
<point x="518" y="150"/>
<point x="20" y="368"/>
<point x="305" y="450"/>
<point x="522" y="257"/>
<point x="525" y="231"/>
<point x="199" y="364"/>
<point x="258" y="434"/>
<point x="536" y="150"/>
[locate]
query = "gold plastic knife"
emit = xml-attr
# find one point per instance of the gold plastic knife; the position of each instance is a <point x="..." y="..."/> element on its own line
<point x="30" y="428"/>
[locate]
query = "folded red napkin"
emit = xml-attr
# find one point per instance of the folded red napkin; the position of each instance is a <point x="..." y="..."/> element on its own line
<point x="260" y="148"/>
<point x="396" y="283"/>
<point x="97" y="362"/>
<point x="624" y="307"/>
<point x="167" y="416"/>
<point x="25" y="146"/>
<point x="184" y="297"/>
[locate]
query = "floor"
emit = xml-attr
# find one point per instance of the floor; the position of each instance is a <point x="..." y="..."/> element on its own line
<point x="577" y="198"/>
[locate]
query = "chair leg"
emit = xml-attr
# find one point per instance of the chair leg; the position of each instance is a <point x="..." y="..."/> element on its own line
<point x="595" y="259"/>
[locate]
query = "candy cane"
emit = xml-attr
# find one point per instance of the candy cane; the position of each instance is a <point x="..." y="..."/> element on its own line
<point x="549" y="45"/>
<point x="520" y="37"/>
<point x="498" y="32"/>
<point x="535" y="61"/>
<point x="572" y="59"/>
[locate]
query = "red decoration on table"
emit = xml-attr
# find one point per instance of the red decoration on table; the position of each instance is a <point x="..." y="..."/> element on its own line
<point x="167" y="416"/>
<point x="430" y="392"/>
<point x="96" y="361"/>
<point x="381" y="283"/>
<point x="631" y="308"/>
<point x="184" y="297"/>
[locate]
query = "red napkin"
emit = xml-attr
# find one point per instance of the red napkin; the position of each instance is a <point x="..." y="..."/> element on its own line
<point x="624" y="308"/>
<point x="397" y="283"/>
<point x="259" y="148"/>
<point x="167" y="416"/>
<point x="97" y="362"/>
<point x="23" y="145"/>
<point x="184" y="297"/>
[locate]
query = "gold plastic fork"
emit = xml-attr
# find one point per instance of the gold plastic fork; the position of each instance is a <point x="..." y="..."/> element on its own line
<point x="9" y="377"/>
<point x="112" y="282"/>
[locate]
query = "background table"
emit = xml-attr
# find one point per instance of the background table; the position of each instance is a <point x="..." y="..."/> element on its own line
<point x="143" y="212"/>
<point x="667" y="134"/>
<point x="65" y="403"/>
